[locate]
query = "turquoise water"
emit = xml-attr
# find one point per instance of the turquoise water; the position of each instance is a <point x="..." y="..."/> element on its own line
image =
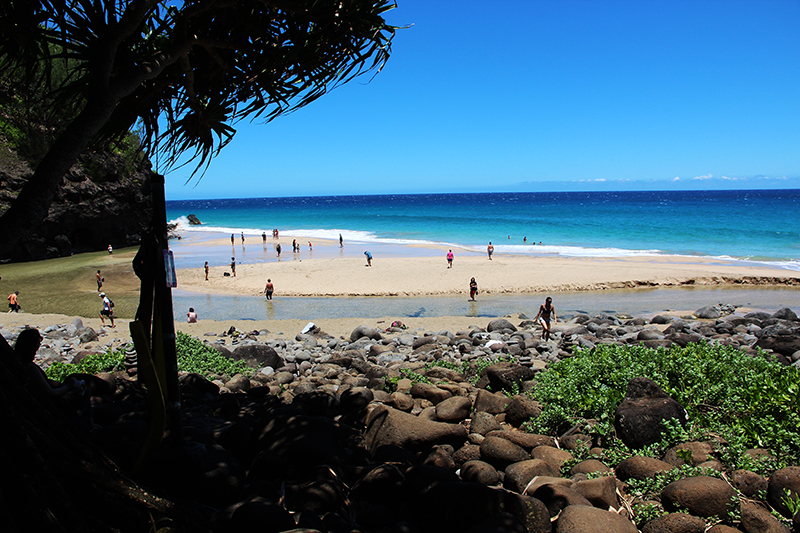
<point x="754" y="227"/>
<point x="759" y="226"/>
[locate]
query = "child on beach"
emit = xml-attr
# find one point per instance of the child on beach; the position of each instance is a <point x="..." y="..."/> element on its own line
<point x="473" y="289"/>
<point x="100" y="280"/>
<point x="233" y="266"/>
<point x="191" y="316"/>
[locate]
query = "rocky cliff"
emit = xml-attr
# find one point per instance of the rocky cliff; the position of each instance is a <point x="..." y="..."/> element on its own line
<point x="102" y="200"/>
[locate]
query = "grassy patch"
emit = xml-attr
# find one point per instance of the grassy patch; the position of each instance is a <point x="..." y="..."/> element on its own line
<point x="93" y="364"/>
<point x="194" y="356"/>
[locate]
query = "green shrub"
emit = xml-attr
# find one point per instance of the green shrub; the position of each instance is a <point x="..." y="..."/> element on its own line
<point x="748" y="401"/>
<point x="194" y="356"/>
<point x="93" y="364"/>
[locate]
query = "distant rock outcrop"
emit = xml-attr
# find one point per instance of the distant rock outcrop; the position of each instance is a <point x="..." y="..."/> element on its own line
<point x="101" y="201"/>
<point x="194" y="221"/>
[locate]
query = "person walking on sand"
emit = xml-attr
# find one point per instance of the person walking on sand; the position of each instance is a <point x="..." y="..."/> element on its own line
<point x="108" y="310"/>
<point x="450" y="259"/>
<point x="233" y="266"/>
<point x="191" y="316"/>
<point x="473" y="289"/>
<point x="205" y="267"/>
<point x="490" y="250"/>
<point x="546" y="313"/>
<point x="13" y="302"/>
<point x="310" y="248"/>
<point x="369" y="258"/>
<point x="269" y="289"/>
<point x="100" y="280"/>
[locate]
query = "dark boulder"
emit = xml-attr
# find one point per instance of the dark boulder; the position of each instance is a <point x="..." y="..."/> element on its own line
<point x="700" y="496"/>
<point x="587" y="519"/>
<point x="675" y="523"/>
<point x="365" y="331"/>
<point x="639" y="419"/>
<point x="258" y="356"/>
<point x="500" y="324"/>
<point x="641" y="468"/>
<point x="390" y="427"/>
<point x="785" y="314"/>
<point x="781" y="339"/>
<point x="785" y="479"/>
<point x="505" y="376"/>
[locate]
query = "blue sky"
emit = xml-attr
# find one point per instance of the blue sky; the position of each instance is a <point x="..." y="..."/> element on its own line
<point x="543" y="96"/>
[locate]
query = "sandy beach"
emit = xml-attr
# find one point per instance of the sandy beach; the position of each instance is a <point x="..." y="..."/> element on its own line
<point x="423" y="271"/>
<point x="67" y="285"/>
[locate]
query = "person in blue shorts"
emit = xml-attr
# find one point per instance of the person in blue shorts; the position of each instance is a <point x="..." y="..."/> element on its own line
<point x="369" y="258"/>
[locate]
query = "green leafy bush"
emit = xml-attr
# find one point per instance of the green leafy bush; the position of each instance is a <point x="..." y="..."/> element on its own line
<point x="748" y="401"/>
<point x="194" y="356"/>
<point x="93" y="364"/>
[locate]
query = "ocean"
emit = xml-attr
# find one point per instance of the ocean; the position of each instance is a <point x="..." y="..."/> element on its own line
<point x="753" y="227"/>
<point x="758" y="226"/>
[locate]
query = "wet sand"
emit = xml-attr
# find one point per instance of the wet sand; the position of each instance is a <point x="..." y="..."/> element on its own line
<point x="67" y="285"/>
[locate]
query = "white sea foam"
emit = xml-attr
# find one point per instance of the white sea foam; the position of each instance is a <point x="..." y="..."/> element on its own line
<point x="366" y="237"/>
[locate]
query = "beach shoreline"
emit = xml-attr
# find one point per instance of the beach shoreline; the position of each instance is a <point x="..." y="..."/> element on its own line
<point x="331" y="276"/>
<point x="504" y="274"/>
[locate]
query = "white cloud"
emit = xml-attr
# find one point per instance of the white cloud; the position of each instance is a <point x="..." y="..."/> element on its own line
<point x="676" y="178"/>
<point x="705" y="177"/>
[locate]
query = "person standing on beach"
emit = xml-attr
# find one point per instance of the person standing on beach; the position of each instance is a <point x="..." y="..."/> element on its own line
<point x="108" y="310"/>
<point x="294" y="245"/>
<point x="110" y="250"/>
<point x="205" y="267"/>
<point x="100" y="280"/>
<point x="450" y="259"/>
<point x="341" y="241"/>
<point x="264" y="237"/>
<point x="473" y="289"/>
<point x="369" y="258"/>
<point x="546" y="313"/>
<point x="13" y="302"/>
<point x="242" y="238"/>
<point x="490" y="250"/>
<point x="233" y="266"/>
<point x="232" y="241"/>
<point x="278" y="249"/>
<point x="310" y="248"/>
<point x="191" y="316"/>
<point x="269" y="289"/>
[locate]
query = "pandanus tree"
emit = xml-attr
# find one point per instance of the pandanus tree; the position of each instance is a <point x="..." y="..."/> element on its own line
<point x="183" y="72"/>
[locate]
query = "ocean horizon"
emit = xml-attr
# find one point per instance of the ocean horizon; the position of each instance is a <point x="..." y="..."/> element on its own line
<point x="753" y="226"/>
